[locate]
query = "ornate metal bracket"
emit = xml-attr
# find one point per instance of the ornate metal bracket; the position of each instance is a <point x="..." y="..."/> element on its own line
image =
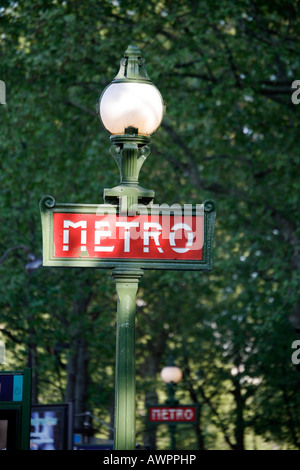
<point x="130" y="152"/>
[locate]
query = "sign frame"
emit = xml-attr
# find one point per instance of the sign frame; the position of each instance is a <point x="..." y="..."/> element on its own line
<point x="49" y="206"/>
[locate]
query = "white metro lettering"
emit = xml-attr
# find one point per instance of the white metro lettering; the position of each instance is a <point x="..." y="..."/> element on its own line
<point x="153" y="234"/>
<point x="102" y="233"/>
<point x="189" y="241"/>
<point x="135" y="237"/>
<point x="127" y="226"/>
<point x="67" y="225"/>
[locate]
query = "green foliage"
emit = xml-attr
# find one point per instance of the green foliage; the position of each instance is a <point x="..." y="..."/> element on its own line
<point x="225" y="71"/>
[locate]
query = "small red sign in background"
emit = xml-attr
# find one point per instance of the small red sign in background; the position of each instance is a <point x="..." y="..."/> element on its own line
<point x="172" y="414"/>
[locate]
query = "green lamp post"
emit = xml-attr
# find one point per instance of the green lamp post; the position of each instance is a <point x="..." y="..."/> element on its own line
<point x="171" y="375"/>
<point x="131" y="109"/>
<point x="98" y="235"/>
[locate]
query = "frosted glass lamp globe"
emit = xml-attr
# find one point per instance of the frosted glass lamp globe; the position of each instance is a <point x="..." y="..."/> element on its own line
<point x="171" y="374"/>
<point x="131" y="104"/>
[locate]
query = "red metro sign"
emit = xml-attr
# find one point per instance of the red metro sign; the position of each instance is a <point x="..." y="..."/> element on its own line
<point x="159" y="237"/>
<point x="172" y="414"/>
<point x="139" y="237"/>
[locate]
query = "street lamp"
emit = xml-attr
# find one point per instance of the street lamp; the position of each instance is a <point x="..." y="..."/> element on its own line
<point x="98" y="235"/>
<point x="131" y="100"/>
<point x="171" y="375"/>
<point x="131" y="109"/>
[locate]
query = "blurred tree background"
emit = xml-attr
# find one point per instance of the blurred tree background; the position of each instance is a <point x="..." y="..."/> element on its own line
<point x="225" y="70"/>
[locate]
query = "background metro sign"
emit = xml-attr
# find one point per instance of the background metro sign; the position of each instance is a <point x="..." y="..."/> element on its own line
<point x="172" y="414"/>
<point x="169" y="237"/>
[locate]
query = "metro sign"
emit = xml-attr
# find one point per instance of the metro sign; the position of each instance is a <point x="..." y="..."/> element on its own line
<point x="172" y="414"/>
<point x="141" y="236"/>
<point x="155" y="237"/>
